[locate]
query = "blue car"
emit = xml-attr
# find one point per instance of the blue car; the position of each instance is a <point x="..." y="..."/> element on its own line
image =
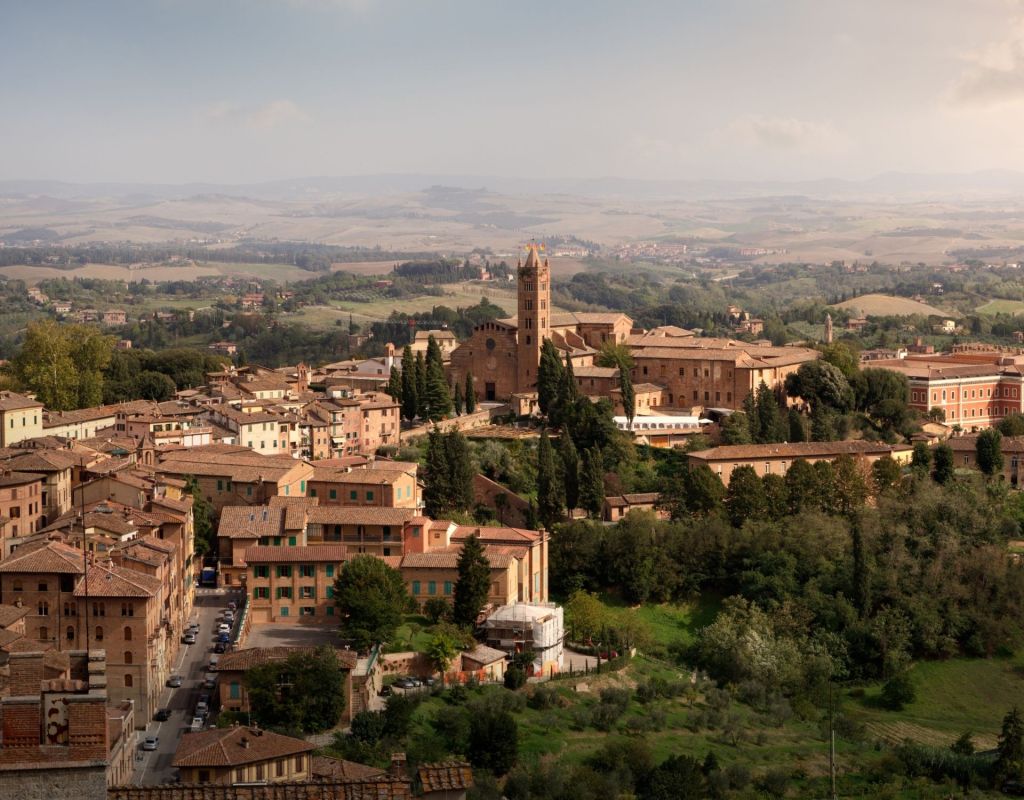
<point x="224" y="637"/>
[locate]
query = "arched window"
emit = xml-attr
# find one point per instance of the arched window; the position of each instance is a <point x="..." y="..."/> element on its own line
<point x="99" y="633"/>
<point x="127" y="656"/>
<point x="70" y="633"/>
<point x="99" y="610"/>
<point x="127" y="633"/>
<point x="44" y="632"/>
<point x="128" y="681"/>
<point x="44" y="608"/>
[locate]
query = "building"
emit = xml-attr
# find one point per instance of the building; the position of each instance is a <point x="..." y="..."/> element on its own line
<point x="617" y="506"/>
<point x="381" y="483"/>
<point x="20" y="418"/>
<point x="973" y="389"/>
<point x="447" y="780"/>
<point x="529" y="627"/>
<point x="242" y="754"/>
<point x="233" y="666"/>
<point x="86" y="423"/>
<point x="446" y="342"/>
<point x="776" y="459"/>
<point x="965" y="456"/>
<point x="21" y="506"/>
<point x="55" y="466"/>
<point x="60" y="735"/>
<point x="502" y="355"/>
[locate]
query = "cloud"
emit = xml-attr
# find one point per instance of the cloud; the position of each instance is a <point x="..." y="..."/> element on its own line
<point x="785" y="133"/>
<point x="268" y="115"/>
<point x="995" y="73"/>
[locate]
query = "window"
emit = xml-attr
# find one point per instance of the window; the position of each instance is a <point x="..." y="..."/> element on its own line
<point x="369" y="496"/>
<point x="69" y="634"/>
<point x="239" y="775"/>
<point x="99" y="633"/>
<point x="261" y="571"/>
<point x="44" y="632"/>
<point x="284" y="570"/>
<point x="334" y="494"/>
<point x="44" y="608"/>
<point x="300" y="763"/>
<point x="279" y="766"/>
<point x="284" y="591"/>
<point x="128" y="681"/>
<point x="447" y="587"/>
<point x="302" y="486"/>
<point x="291" y="541"/>
<point x="330" y="592"/>
<point x="353" y="494"/>
<point x="127" y="633"/>
<point x="43" y="586"/>
<point x="204" y="776"/>
<point x="312" y="492"/>
<point x="127" y="609"/>
<point x="220" y="486"/>
<point x="284" y="611"/>
<point x="305" y="570"/>
<point x="415" y="587"/>
<point x="235" y="690"/>
<point x="432" y="587"/>
<point x="16" y="586"/>
<point x="248" y="490"/>
<point x="307" y="611"/>
<point x="259" y="772"/>
<point x="70" y="610"/>
<point x="307" y="592"/>
<point x="261" y="592"/>
<point x="329" y="570"/>
<point x="127" y="656"/>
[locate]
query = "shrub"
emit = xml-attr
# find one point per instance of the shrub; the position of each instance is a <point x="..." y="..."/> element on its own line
<point x="515" y="678"/>
<point x="437" y="609"/>
<point x="544" y="697"/>
<point x="898" y="692"/>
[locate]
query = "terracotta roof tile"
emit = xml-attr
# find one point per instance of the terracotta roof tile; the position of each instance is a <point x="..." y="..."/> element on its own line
<point x="335" y="553"/>
<point x="227" y="747"/>
<point x="113" y="581"/>
<point x="360" y="515"/>
<point x="740" y="452"/>
<point x="326" y="767"/>
<point x="44" y="557"/>
<point x="446" y="776"/>
<point x="251" y="522"/>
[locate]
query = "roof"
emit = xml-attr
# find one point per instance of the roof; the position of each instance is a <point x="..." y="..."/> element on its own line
<point x="446" y="776"/>
<point x="326" y="767"/>
<point x="113" y="581"/>
<point x="12" y="401"/>
<point x="44" y="557"/>
<point x="263" y="554"/>
<point x="596" y="372"/>
<point x="482" y="654"/>
<point x="449" y="559"/>
<point x="249" y="657"/>
<point x="493" y="534"/>
<point x="379" y="787"/>
<point x="378" y="475"/>
<point x="228" y="747"/>
<point x="359" y="515"/>
<point x="18" y="478"/>
<point x="11" y="614"/>
<point x="742" y="452"/>
<point x="969" y="444"/>
<point x="251" y="522"/>
<point x="239" y="463"/>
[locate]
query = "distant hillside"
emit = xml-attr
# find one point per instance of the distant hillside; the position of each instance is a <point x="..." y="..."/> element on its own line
<point x="882" y="305"/>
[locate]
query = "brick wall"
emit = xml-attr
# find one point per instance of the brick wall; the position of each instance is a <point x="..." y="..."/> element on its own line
<point x="44" y="782"/>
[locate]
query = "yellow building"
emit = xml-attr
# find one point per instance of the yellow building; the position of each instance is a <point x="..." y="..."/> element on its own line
<point x="228" y="756"/>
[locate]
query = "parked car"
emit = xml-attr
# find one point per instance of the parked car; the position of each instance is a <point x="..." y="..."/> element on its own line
<point x="233" y="605"/>
<point x="214" y="661"/>
<point x="223" y="628"/>
<point x="189" y="638"/>
<point x="174" y="682"/>
<point x="150" y="742"/>
<point x="210" y="682"/>
<point x="408" y="682"/>
<point x="162" y="715"/>
<point x="202" y="710"/>
<point x="429" y="681"/>
<point x="197" y="724"/>
<point x="204" y="699"/>
<point x="220" y="647"/>
<point x="386" y="691"/>
<point x="224" y="636"/>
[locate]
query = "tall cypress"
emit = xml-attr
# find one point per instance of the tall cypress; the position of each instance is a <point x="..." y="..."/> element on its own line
<point x="592" y="482"/>
<point x="439" y="400"/>
<point x="753" y="420"/>
<point x="457" y="399"/>
<point x="861" y="574"/>
<point x="437" y="488"/>
<point x="460" y="470"/>
<point x="628" y="395"/>
<point x="550" y="494"/>
<point x="473" y="584"/>
<point x="410" y="403"/>
<point x="422" y="409"/>
<point x="549" y="377"/>
<point x="395" y="384"/>
<point x="769" y="419"/>
<point x="797" y="428"/>
<point x="570" y="459"/>
<point x="470" y="394"/>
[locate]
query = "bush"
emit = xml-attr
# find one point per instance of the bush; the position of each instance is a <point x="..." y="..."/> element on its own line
<point x="898" y="692"/>
<point x="515" y="678"/>
<point x="544" y="697"/>
<point x="437" y="609"/>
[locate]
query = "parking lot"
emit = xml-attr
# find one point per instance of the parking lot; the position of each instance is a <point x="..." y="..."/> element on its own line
<point x="278" y="635"/>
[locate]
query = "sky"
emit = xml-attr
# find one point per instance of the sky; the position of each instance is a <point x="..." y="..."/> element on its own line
<point x="243" y="91"/>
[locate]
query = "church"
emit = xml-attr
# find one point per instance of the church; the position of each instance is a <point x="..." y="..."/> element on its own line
<point x="503" y="354"/>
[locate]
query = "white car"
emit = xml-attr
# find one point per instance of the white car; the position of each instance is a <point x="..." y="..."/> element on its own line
<point x="150" y="742"/>
<point x="197" y="724"/>
<point x="223" y="628"/>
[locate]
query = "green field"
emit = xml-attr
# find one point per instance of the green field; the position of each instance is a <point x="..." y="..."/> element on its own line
<point x="1001" y="307"/>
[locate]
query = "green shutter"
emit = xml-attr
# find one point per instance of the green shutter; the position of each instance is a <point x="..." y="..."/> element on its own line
<point x="432" y="587"/>
<point x="447" y="587"/>
<point x="291" y="541"/>
<point x="415" y="587"/>
<point x="330" y="592"/>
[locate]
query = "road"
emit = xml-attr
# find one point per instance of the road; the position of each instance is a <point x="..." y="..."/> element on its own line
<point x="154" y="767"/>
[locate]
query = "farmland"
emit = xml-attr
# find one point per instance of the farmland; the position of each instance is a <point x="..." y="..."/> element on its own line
<point x="881" y="305"/>
<point x="1001" y="307"/>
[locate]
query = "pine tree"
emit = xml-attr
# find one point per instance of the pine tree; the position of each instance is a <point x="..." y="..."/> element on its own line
<point x="421" y="386"/>
<point x="861" y="574"/>
<point x="753" y="420"/>
<point x="628" y="396"/>
<point x="550" y="493"/>
<point x="395" y="384"/>
<point x="470" y="394"/>
<point x="1009" y="764"/>
<point x="439" y="400"/>
<point x="457" y="399"/>
<point x="769" y="419"/>
<point x="473" y="584"/>
<point x="592" y="482"/>
<point x="797" y="428"/>
<point x="943" y="464"/>
<point x="570" y="460"/>
<point x="410" y="404"/>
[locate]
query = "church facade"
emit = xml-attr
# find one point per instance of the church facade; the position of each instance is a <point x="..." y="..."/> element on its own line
<point x="502" y="355"/>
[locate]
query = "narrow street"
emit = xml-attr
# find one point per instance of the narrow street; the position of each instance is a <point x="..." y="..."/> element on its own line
<point x="154" y="768"/>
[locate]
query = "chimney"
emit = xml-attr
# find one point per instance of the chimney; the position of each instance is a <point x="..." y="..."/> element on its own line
<point x="244" y="741"/>
<point x="397" y="768"/>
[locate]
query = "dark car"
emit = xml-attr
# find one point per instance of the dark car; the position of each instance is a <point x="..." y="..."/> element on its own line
<point x="408" y="683"/>
<point x="386" y="691"/>
<point x="220" y="647"/>
<point x="174" y="681"/>
<point x="224" y="637"/>
<point x="162" y="715"/>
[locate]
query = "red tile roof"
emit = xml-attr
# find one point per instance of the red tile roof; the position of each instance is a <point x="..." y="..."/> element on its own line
<point x="228" y="747"/>
<point x="44" y="557"/>
<point x="446" y="776"/>
<point x="293" y="555"/>
<point x="114" y="581"/>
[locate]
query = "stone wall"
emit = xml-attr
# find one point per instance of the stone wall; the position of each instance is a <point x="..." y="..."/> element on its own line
<point x="48" y="782"/>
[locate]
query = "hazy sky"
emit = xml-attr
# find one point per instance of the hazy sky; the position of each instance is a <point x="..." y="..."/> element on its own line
<point x="248" y="90"/>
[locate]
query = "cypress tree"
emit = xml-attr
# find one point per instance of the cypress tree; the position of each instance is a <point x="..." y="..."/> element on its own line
<point x="753" y="420"/>
<point x="550" y="494"/>
<point x="549" y="377"/>
<point x="410" y="404"/>
<point x="470" y="394"/>
<point x="861" y="576"/>
<point x="942" y="464"/>
<point x="473" y="584"/>
<point x="395" y="384"/>
<point x="439" y="400"/>
<point x="628" y="395"/>
<point x="460" y="470"/>
<point x="797" y="428"/>
<point x="437" y="488"/>
<point x="592" y="482"/>
<point x="570" y="460"/>
<point x="769" y="419"/>
<point x="457" y="399"/>
<point x="421" y="386"/>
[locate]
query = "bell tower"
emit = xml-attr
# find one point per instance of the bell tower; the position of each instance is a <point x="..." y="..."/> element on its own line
<point x="533" y="317"/>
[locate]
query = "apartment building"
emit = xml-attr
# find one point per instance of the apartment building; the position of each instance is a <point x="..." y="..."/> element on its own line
<point x="360" y="423"/>
<point x="86" y="423"/>
<point x="383" y="483"/>
<point x="776" y="459"/>
<point x="260" y="431"/>
<point x="242" y="754"/>
<point x="20" y="418"/>
<point x="166" y="430"/>
<point x="21" y="507"/>
<point x="55" y="465"/>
